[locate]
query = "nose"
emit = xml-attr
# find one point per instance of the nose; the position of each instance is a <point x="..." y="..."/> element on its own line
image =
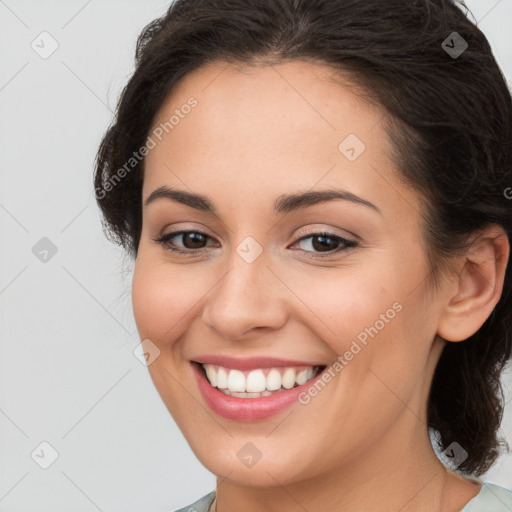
<point x="247" y="300"/>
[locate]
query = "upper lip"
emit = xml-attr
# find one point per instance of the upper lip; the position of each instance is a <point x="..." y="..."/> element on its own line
<point x="251" y="363"/>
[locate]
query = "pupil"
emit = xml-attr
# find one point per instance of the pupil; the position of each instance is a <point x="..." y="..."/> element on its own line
<point x="322" y="245"/>
<point x="195" y="240"/>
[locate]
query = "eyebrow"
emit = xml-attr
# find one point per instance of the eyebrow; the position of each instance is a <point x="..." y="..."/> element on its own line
<point x="284" y="203"/>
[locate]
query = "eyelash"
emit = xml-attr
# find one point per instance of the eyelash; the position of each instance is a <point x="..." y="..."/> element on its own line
<point x="348" y="244"/>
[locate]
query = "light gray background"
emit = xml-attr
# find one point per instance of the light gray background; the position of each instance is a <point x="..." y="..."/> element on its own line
<point x="67" y="372"/>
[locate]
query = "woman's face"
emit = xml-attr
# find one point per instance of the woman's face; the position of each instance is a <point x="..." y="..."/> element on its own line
<point x="268" y="291"/>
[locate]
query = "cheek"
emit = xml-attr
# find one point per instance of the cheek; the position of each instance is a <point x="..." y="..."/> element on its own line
<point x="163" y="300"/>
<point x="370" y="323"/>
<point x="345" y="304"/>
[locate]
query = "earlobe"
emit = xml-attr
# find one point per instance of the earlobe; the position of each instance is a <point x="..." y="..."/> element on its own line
<point x="480" y="284"/>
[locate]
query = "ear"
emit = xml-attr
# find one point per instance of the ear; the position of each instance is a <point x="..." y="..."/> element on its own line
<point x="480" y="283"/>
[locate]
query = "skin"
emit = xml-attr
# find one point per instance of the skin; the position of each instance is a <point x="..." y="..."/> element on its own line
<point x="362" y="443"/>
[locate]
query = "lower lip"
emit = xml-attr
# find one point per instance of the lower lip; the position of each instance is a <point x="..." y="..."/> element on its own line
<point x="247" y="409"/>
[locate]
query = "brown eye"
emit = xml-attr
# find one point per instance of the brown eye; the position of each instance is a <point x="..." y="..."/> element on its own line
<point x="324" y="243"/>
<point x="190" y="241"/>
<point x="193" y="240"/>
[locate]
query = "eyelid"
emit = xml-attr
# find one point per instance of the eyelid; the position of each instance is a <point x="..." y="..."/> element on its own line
<point x="186" y="226"/>
<point x="349" y="236"/>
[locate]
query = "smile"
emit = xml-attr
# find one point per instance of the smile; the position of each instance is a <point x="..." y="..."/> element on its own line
<point x="257" y="383"/>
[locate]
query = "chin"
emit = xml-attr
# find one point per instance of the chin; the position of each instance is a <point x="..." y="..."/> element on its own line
<point x="241" y="462"/>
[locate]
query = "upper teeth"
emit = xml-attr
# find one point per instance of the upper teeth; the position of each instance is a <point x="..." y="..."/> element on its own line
<point x="256" y="381"/>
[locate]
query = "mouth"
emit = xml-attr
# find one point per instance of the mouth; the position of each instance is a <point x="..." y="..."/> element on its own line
<point x="249" y="390"/>
<point x="258" y="382"/>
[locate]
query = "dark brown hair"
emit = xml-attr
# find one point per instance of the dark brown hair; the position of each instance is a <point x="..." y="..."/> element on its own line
<point x="448" y="116"/>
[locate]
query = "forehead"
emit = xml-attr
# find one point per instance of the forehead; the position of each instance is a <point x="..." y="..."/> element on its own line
<point x="270" y="128"/>
<point x="302" y="96"/>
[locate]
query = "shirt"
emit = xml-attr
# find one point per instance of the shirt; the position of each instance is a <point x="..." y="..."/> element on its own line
<point x="491" y="498"/>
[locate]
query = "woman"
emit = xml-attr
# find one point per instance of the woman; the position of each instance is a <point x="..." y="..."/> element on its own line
<point x="315" y="196"/>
